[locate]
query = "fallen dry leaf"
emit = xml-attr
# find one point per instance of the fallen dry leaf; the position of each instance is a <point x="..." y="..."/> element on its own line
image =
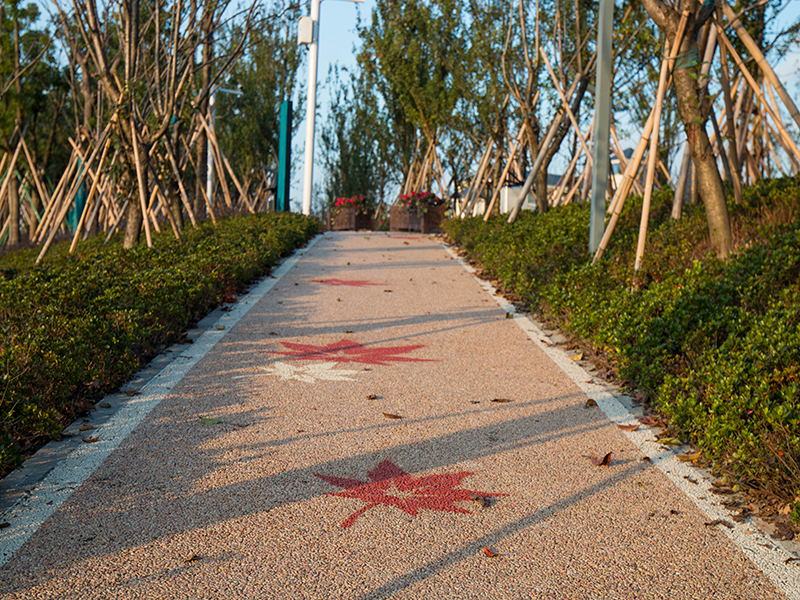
<point x="5" y="524"/>
<point x="501" y="400"/>
<point x="104" y="405"/>
<point x="577" y="357"/>
<point x="132" y="393"/>
<point x="87" y="427"/>
<point x="670" y="441"/>
<point x="601" y="462"/>
<point x="791" y="559"/>
<point x="690" y="480"/>
<point x="482" y="500"/>
<point x="590" y="403"/>
<point x="727" y="524"/>
<point x="689" y="457"/>
<point x="91" y="440"/>
<point x="489" y="552"/>
<point x="646" y="459"/>
<point x="633" y="427"/>
<point x="647" y="421"/>
<point x="372" y="397"/>
<point x="192" y="557"/>
<point x="391" y="416"/>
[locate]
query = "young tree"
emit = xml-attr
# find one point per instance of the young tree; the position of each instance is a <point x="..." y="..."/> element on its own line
<point x="694" y="110"/>
<point x="248" y="125"/>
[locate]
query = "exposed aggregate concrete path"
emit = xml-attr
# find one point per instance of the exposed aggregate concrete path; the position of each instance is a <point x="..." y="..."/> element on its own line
<point x="269" y="461"/>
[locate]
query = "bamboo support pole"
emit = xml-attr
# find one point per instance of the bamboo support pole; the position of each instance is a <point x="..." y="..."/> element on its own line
<point x="421" y="182"/>
<point x="622" y="160"/>
<point x="89" y="199"/>
<point x="410" y="176"/>
<point x="438" y="174"/>
<point x="568" y="198"/>
<point x="182" y="190"/>
<point x="484" y="181"/>
<point x="503" y="176"/>
<point x="618" y="202"/>
<point x="652" y="157"/>
<point x="680" y="189"/>
<point x="188" y="155"/>
<point x="150" y="214"/>
<point x="11" y="165"/>
<point x="567" y="107"/>
<point x="761" y="60"/>
<point x="53" y="207"/>
<point x="733" y="156"/>
<point x="759" y="94"/>
<point x="41" y="190"/>
<point x="770" y="129"/>
<point x="65" y="204"/>
<point x="140" y="180"/>
<point x="543" y="148"/>
<point x="118" y="219"/>
<point x="664" y="171"/>
<point x="777" y="113"/>
<point x="63" y="194"/>
<point x="559" y="195"/>
<point x="163" y="204"/>
<point x="215" y="152"/>
<point x="722" y="154"/>
<point x="468" y="199"/>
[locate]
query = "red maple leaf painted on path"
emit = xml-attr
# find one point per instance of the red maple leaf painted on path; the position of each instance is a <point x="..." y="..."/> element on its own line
<point x="350" y="282"/>
<point x="349" y="351"/>
<point x="392" y="486"/>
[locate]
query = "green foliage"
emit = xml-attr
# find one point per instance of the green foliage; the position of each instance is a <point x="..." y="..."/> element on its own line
<point x="716" y="346"/>
<point x="80" y="325"/>
<point x="249" y="124"/>
<point x="357" y="149"/>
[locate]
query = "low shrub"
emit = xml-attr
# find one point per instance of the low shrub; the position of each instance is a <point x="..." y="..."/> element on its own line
<point x="714" y="345"/>
<point x="79" y="325"/>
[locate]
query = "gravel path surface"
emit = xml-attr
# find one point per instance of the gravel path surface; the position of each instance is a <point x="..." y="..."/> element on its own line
<point x="277" y="466"/>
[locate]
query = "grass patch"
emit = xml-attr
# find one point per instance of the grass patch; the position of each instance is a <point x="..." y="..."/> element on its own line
<point x="715" y="346"/>
<point x="78" y="326"/>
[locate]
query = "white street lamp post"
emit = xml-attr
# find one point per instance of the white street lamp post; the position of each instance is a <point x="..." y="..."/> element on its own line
<point x="309" y="34"/>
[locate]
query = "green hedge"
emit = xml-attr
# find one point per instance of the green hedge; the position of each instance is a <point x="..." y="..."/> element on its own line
<point x="80" y="325"/>
<point x="715" y="346"/>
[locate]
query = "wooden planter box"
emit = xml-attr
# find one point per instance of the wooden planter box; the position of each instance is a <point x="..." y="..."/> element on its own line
<point x="348" y="220"/>
<point x="400" y="219"/>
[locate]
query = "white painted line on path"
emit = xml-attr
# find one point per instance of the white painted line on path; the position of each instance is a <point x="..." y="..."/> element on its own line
<point x="27" y="515"/>
<point x="746" y="536"/>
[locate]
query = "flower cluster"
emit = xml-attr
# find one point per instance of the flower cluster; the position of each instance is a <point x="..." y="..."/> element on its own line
<point x="359" y="203"/>
<point x="420" y="202"/>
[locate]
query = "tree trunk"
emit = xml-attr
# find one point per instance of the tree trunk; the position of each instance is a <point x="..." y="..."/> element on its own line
<point x="133" y="216"/>
<point x="709" y="183"/>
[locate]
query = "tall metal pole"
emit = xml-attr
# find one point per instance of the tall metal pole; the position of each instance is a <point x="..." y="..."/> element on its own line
<point x="209" y="153"/>
<point x="311" y="108"/>
<point x="602" y="124"/>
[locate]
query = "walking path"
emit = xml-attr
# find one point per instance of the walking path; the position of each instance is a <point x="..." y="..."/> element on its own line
<point x="369" y="423"/>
